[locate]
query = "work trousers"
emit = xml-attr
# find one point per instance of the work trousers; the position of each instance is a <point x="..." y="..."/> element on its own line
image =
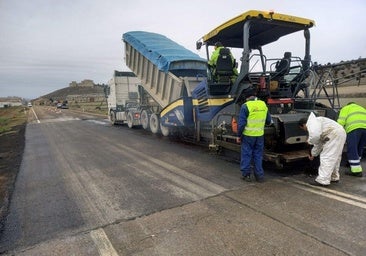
<point x="252" y="149"/>
<point x="330" y="157"/>
<point x="356" y="142"/>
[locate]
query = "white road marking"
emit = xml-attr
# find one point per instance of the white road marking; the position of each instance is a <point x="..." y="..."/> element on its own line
<point x="102" y="242"/>
<point x="35" y="115"/>
<point x="326" y="192"/>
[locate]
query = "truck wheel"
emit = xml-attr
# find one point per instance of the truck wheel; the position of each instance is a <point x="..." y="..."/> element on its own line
<point x="144" y="117"/>
<point x="164" y="130"/>
<point x="154" y="123"/>
<point x="130" y="120"/>
<point x="112" y="117"/>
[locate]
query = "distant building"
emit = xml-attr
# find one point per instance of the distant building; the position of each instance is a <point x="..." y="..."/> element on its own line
<point x="84" y="83"/>
<point x="10" y="102"/>
<point x="73" y="84"/>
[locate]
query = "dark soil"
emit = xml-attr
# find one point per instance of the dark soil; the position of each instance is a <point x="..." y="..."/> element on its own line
<point x="11" y="153"/>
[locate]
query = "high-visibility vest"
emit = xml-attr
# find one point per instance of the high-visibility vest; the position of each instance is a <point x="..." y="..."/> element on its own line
<point x="352" y="116"/>
<point x="256" y="118"/>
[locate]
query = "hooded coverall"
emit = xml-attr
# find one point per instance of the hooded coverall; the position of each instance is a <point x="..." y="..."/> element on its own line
<point x="353" y="118"/>
<point x="328" y="138"/>
<point x="253" y="116"/>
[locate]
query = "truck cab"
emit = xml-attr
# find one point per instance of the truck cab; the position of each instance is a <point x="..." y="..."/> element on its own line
<point x="123" y="99"/>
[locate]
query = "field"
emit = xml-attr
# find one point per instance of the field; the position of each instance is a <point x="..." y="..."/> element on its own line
<point x="10" y="118"/>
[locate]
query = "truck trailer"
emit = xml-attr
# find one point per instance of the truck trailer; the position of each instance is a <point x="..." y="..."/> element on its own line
<point x="193" y="103"/>
<point x="168" y="72"/>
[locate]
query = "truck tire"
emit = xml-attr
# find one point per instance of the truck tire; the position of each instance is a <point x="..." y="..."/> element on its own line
<point x="112" y="117"/>
<point x="129" y="120"/>
<point x="164" y="130"/>
<point x="154" y="123"/>
<point x="144" y="117"/>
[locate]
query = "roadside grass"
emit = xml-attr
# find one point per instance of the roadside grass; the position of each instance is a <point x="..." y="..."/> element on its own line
<point x="12" y="117"/>
<point x="12" y="140"/>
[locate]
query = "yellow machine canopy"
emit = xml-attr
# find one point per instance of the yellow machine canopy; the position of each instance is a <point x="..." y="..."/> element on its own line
<point x="265" y="27"/>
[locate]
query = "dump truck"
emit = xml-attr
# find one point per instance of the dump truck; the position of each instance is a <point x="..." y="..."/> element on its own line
<point x="194" y="103"/>
<point x="123" y="99"/>
<point x="167" y="70"/>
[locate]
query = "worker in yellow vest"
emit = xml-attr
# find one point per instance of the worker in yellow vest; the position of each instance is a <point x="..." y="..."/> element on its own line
<point x="253" y="117"/>
<point x="353" y="118"/>
<point x="213" y="60"/>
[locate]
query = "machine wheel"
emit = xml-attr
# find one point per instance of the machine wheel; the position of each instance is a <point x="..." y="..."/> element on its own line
<point x="154" y="123"/>
<point x="112" y="117"/>
<point x="164" y="130"/>
<point x="144" y="117"/>
<point x="130" y="120"/>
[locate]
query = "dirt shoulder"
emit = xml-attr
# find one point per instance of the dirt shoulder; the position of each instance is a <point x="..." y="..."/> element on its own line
<point x="12" y="141"/>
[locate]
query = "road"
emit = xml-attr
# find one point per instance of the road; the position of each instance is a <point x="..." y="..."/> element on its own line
<point x="88" y="188"/>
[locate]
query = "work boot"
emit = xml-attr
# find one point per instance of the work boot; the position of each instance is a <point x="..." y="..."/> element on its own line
<point x="246" y="178"/>
<point x="259" y="179"/>
<point x="315" y="183"/>
<point x="355" y="174"/>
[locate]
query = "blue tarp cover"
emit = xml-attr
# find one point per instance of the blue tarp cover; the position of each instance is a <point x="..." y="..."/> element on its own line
<point x="162" y="51"/>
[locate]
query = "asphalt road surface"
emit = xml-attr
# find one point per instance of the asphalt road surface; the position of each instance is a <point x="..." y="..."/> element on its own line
<point x="88" y="188"/>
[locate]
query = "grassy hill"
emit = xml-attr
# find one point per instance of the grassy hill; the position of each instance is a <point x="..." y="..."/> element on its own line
<point x="62" y="94"/>
<point x="346" y="73"/>
<point x="89" y="99"/>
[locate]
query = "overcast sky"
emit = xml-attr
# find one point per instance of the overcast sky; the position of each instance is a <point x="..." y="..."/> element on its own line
<point x="46" y="44"/>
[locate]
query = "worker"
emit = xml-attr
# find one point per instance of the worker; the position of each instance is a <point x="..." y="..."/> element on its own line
<point x="283" y="66"/>
<point x="253" y="117"/>
<point x="328" y="138"/>
<point x="213" y="60"/>
<point x="353" y="118"/>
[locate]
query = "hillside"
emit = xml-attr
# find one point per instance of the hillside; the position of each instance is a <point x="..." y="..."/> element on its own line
<point x="90" y="99"/>
<point x="345" y="73"/>
<point x="62" y="94"/>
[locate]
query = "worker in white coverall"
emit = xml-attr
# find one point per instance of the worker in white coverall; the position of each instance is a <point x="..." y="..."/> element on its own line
<point x="328" y="138"/>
